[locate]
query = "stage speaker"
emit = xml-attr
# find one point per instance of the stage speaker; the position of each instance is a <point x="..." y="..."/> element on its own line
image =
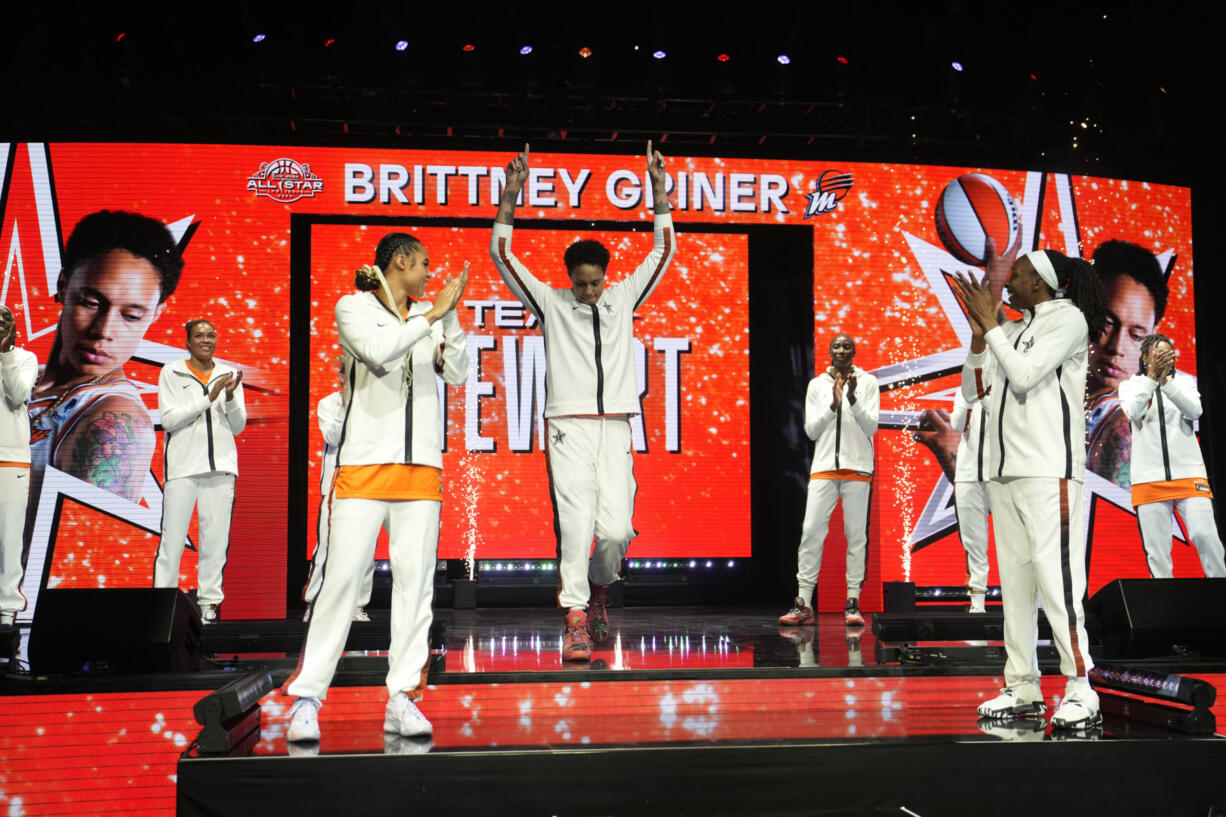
<point x="898" y="597"/>
<point x="126" y="630"/>
<point x="1144" y="618"/>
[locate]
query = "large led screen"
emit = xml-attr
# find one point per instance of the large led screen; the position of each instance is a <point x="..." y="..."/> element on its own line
<point x="270" y="237"/>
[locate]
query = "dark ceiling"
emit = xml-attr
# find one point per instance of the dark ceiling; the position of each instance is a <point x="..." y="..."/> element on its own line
<point x="1116" y="89"/>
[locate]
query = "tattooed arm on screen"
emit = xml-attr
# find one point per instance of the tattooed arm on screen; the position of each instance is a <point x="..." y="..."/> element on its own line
<point x="111" y="447"/>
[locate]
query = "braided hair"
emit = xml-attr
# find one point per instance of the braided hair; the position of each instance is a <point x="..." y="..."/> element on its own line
<point x="367" y="279"/>
<point x="1149" y="343"/>
<point x="1080" y="284"/>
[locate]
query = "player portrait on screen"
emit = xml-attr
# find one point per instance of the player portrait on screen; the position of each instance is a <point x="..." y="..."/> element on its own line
<point x="1136" y="291"/>
<point x="87" y="419"/>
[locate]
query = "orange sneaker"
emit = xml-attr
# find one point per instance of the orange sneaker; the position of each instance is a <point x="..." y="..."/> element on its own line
<point x="576" y="643"/>
<point x="598" y="614"/>
<point x="799" y="614"/>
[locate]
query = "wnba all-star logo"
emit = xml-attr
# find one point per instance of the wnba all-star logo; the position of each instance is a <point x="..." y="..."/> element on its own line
<point x="285" y="180"/>
<point x="830" y="189"/>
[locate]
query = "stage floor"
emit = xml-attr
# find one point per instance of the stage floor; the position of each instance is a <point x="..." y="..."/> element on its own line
<point x="723" y="703"/>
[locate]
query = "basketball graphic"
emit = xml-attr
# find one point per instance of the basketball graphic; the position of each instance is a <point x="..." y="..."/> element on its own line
<point x="973" y="207"/>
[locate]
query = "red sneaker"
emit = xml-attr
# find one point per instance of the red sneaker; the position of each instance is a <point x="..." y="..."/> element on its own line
<point x="576" y="643"/>
<point x="598" y="614"/>
<point x="799" y="614"/>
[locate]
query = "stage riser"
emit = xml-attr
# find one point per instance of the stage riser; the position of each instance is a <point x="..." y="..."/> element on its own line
<point x="927" y="777"/>
<point x="956" y="626"/>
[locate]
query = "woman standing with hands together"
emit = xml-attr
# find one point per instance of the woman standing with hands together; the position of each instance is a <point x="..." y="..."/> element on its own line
<point x="1032" y="374"/>
<point x="200" y="403"/>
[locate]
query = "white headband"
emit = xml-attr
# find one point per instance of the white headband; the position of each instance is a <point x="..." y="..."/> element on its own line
<point x="1042" y="265"/>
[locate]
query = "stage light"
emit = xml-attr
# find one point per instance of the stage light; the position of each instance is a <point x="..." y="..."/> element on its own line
<point x="693" y="563"/>
<point x="259" y="38"/>
<point x="232" y="713"/>
<point x="469" y="47"/>
<point x="402" y="45"/>
<point x="659" y="55"/>
<point x="957" y="66"/>
<point x="526" y="50"/>
<point x="328" y="42"/>
<point x="731" y="563"/>
<point x="585" y="52"/>
<point x="723" y="58"/>
<point x="708" y="564"/>
<point x="842" y="60"/>
<point x="122" y="34"/>
<point x="784" y="59"/>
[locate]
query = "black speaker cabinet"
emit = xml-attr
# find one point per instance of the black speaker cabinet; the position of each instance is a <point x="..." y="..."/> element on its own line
<point x="1144" y="618"/>
<point x="126" y="630"/>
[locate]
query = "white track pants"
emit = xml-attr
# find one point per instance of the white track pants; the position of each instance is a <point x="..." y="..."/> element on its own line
<point x="1041" y="549"/>
<point x="320" y="557"/>
<point x="1154" y="519"/>
<point x="14" y="495"/>
<point x="412" y="526"/>
<point x="212" y="496"/>
<point x="823" y="494"/>
<point x="972" y="507"/>
<point x="591" y="483"/>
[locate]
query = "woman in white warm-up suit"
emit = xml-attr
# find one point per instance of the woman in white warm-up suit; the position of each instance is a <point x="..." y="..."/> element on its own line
<point x="1168" y="471"/>
<point x="1031" y="375"/>
<point x="18" y="369"/>
<point x="201" y="409"/>
<point x="389" y="474"/>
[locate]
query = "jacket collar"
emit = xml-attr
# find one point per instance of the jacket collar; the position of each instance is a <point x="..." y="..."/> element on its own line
<point x="180" y="367"/>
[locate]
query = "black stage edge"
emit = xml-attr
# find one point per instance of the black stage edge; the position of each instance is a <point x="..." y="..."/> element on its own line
<point x="927" y="777"/>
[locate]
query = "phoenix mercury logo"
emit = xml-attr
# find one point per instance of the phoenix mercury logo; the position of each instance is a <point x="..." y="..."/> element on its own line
<point x="831" y="187"/>
<point x="284" y="180"/>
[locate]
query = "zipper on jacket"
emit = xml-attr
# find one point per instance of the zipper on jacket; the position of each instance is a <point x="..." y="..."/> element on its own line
<point x="983" y="429"/>
<point x="1004" y="395"/>
<point x="1166" y="455"/>
<point x="838" y="432"/>
<point x="408" y="416"/>
<point x="599" y="365"/>
<point x="208" y="425"/>
<point x="1064" y="416"/>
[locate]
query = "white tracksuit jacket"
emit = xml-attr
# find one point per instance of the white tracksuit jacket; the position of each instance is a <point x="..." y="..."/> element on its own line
<point x="1164" y="443"/>
<point x="968" y="420"/>
<point x="380" y="426"/>
<point x="199" y="433"/>
<point x="1034" y="399"/>
<point x="844" y="439"/>
<point x="589" y="354"/>
<point x="18" y="371"/>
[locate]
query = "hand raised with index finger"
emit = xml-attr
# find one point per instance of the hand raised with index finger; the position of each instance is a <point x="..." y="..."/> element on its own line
<point x="517" y="169"/>
<point x="655" y="163"/>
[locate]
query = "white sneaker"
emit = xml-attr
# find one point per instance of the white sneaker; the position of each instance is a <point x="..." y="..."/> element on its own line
<point x="360" y="615"/>
<point x="7" y="618"/>
<point x="208" y="614"/>
<point x="400" y="745"/>
<point x="977" y="604"/>
<point x="304" y="720"/>
<point x="1026" y="699"/>
<point x="1027" y="729"/>
<point x="404" y="717"/>
<point x="1079" y="709"/>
